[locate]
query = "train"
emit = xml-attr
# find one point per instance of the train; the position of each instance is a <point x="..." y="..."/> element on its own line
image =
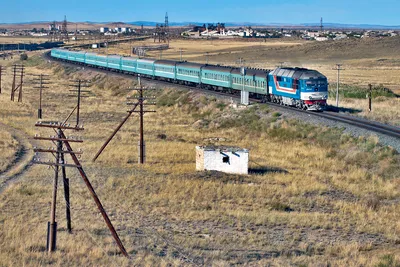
<point x="297" y="87"/>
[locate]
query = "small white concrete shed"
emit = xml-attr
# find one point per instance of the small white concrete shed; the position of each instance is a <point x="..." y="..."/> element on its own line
<point x="222" y="158"/>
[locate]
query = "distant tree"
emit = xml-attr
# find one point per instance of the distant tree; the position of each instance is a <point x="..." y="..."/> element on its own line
<point x="34" y="30"/>
<point x="24" y="56"/>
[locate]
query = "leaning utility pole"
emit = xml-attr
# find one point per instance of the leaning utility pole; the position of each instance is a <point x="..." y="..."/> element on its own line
<point x="18" y="80"/>
<point x="338" y="68"/>
<point x="139" y="103"/>
<point x="62" y="140"/>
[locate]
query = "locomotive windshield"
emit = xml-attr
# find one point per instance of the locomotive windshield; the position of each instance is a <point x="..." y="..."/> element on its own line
<point x="320" y="84"/>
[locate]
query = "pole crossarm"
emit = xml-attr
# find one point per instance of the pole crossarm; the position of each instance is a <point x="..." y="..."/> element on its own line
<point x="55" y="164"/>
<point x="58" y="125"/>
<point x="57" y="139"/>
<point x="46" y="150"/>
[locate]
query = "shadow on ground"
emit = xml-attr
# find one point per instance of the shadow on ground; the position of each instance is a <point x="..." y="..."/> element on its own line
<point x="342" y="109"/>
<point x="265" y="170"/>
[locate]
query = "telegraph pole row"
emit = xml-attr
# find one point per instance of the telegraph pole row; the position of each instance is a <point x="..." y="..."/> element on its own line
<point x="63" y="147"/>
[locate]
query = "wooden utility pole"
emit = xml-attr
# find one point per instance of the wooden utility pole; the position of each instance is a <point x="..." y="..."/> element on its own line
<point x="40" y="83"/>
<point x="62" y="140"/>
<point x="370" y="98"/>
<point x="18" y="80"/>
<point x="78" y="84"/>
<point x="2" y="69"/>
<point x="139" y="103"/>
<point x="338" y="68"/>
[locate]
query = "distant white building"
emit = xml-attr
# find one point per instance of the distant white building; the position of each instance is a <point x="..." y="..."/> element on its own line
<point x="221" y="158"/>
<point x="104" y="29"/>
<point x="321" y="39"/>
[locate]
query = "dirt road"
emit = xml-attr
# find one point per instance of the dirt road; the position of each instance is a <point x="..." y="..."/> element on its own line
<point x="23" y="158"/>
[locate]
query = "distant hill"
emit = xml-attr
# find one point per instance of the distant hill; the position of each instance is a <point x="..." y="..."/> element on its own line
<point x="93" y="25"/>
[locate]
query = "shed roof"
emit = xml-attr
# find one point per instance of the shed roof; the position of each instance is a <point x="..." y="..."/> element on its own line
<point x="222" y="148"/>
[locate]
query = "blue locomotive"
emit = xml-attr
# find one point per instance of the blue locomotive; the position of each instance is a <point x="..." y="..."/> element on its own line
<point x="298" y="87"/>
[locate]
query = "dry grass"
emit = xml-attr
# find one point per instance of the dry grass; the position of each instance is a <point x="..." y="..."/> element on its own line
<point x="22" y="39"/>
<point x="314" y="196"/>
<point x="8" y="148"/>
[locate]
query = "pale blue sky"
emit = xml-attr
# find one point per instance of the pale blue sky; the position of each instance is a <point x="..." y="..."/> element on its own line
<point x="383" y="12"/>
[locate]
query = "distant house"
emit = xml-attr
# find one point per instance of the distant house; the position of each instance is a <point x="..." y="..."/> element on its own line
<point x="321" y="39"/>
<point x="222" y="158"/>
<point x="104" y="29"/>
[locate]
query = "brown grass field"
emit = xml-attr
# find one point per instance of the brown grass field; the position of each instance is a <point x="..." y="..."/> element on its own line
<point x="8" y="149"/>
<point x="314" y="196"/>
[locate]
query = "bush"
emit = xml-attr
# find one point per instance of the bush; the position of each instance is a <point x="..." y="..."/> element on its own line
<point x="23" y="56"/>
<point x="350" y="91"/>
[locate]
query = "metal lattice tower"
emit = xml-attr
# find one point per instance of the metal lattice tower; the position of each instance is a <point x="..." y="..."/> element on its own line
<point x="166" y="27"/>
<point x="53" y="32"/>
<point x="321" y="26"/>
<point x="64" y="30"/>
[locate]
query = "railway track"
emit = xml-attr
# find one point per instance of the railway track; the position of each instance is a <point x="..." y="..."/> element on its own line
<point x="372" y="126"/>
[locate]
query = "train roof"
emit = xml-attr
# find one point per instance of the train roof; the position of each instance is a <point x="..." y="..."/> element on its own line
<point x="146" y="60"/>
<point x="192" y="65"/>
<point x="218" y="68"/>
<point x="297" y="73"/>
<point x="129" y="58"/>
<point x="165" y="62"/>
<point x="252" y="72"/>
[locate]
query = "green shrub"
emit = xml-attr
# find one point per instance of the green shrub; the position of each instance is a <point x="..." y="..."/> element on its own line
<point x="23" y="56"/>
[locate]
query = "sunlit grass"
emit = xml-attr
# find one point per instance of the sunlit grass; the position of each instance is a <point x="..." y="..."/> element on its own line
<point x="315" y="194"/>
